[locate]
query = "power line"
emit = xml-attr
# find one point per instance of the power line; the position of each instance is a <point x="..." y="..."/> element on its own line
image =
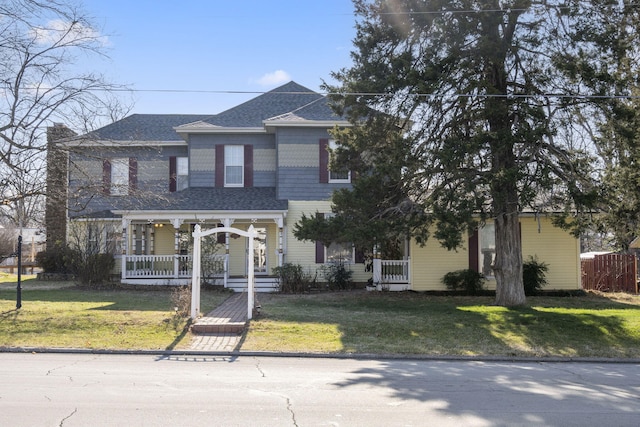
<point x="376" y="94"/>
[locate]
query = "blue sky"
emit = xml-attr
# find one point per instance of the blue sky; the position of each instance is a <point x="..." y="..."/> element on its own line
<point x="220" y="45"/>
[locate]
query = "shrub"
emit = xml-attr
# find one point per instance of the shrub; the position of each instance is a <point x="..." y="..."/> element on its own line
<point x="95" y="269"/>
<point x="58" y="259"/>
<point x="181" y="301"/>
<point x="469" y="281"/>
<point x="534" y="275"/>
<point x="292" y="278"/>
<point x="338" y="277"/>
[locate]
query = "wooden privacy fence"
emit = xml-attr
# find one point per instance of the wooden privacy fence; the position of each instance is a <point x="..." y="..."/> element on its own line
<point x="610" y="273"/>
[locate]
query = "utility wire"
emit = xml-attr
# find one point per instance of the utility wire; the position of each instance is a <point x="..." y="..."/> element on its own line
<point x="376" y="94"/>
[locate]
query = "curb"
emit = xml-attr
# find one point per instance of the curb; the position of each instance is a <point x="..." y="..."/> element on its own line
<point x="347" y="356"/>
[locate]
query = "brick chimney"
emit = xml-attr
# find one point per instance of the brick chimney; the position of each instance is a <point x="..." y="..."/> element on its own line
<point x="57" y="185"/>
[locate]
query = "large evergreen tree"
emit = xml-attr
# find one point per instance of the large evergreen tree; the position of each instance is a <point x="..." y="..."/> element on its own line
<point x="478" y="103"/>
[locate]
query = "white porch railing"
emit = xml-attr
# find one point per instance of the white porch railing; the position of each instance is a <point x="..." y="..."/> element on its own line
<point x="162" y="266"/>
<point x="395" y="271"/>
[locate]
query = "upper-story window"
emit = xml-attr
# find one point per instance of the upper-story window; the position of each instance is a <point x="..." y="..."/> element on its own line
<point x="119" y="177"/>
<point x="233" y="165"/>
<point x="182" y="173"/>
<point x="341" y="175"/>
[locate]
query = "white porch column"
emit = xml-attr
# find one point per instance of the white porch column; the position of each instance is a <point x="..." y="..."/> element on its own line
<point x="226" y="222"/>
<point x="250" y="274"/>
<point x="377" y="266"/>
<point x="176" y="222"/>
<point x="125" y="248"/>
<point x="280" y="224"/>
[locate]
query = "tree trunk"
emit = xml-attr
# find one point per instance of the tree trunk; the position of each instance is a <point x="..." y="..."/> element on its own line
<point x="508" y="262"/>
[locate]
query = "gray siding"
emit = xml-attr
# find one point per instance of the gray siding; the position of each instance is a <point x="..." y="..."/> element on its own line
<point x="85" y="175"/>
<point x="202" y="157"/>
<point x="298" y="174"/>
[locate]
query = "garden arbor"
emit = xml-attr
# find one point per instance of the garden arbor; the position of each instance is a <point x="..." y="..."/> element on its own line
<point x="198" y="234"/>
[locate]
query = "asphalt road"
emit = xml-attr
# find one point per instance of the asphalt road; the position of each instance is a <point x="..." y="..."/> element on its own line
<point x="145" y="390"/>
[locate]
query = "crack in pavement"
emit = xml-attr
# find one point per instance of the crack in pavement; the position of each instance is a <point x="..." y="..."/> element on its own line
<point x="67" y="417"/>
<point x="293" y="414"/>
<point x="259" y="368"/>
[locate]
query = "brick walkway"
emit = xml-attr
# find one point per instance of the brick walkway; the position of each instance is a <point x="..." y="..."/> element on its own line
<point x="221" y="329"/>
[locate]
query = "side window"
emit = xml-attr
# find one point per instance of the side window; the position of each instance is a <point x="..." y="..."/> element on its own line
<point x="487" y="248"/>
<point x="338" y="176"/>
<point x="340" y="252"/>
<point x="233" y="165"/>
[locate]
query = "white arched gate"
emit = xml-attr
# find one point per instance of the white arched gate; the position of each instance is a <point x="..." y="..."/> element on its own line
<point x="195" y="279"/>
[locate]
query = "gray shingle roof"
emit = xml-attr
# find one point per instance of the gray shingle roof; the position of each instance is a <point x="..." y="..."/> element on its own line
<point x="288" y="98"/>
<point x="197" y="199"/>
<point x="220" y="198"/>
<point x="146" y="127"/>
<point x="287" y="102"/>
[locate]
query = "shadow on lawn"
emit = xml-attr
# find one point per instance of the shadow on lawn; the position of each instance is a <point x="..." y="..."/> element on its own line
<point x="566" y="334"/>
<point x="441" y="325"/>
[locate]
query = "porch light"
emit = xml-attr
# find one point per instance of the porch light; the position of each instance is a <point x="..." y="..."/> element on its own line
<point x="156" y="225"/>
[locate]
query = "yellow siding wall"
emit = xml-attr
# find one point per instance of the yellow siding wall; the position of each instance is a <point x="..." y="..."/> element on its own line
<point x="304" y="253"/>
<point x="431" y="262"/>
<point x="559" y="249"/>
<point x="164" y="240"/>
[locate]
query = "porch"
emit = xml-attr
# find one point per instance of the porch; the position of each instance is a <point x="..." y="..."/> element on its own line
<point x="177" y="270"/>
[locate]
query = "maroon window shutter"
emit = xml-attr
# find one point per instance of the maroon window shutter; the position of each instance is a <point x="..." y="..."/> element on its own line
<point x="474" y="261"/>
<point x="173" y="174"/>
<point x="319" y="252"/>
<point x="106" y="176"/>
<point x="133" y="173"/>
<point x="319" y="245"/>
<point x="248" y="165"/>
<point x="324" y="160"/>
<point x="220" y="165"/>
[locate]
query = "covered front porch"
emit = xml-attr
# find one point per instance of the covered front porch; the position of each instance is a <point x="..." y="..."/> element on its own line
<point x="157" y="248"/>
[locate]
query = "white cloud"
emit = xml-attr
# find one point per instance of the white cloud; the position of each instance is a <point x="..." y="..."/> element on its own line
<point x="69" y="33"/>
<point x="274" y="78"/>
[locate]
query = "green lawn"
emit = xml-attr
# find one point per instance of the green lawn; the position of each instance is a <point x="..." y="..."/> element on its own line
<point x="62" y="315"/>
<point x="411" y="324"/>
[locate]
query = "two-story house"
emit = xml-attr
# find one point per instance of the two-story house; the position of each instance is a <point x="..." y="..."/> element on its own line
<point x="140" y="185"/>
